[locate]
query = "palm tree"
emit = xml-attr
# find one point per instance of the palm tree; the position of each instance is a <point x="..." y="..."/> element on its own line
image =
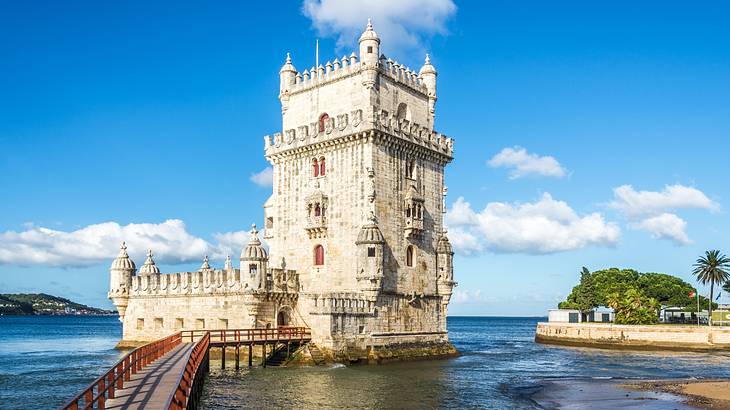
<point x="713" y="267"/>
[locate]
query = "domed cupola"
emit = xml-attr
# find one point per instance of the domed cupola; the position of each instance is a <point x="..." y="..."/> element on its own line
<point x="370" y="233"/>
<point x="444" y="246"/>
<point x="149" y="267"/>
<point x="254" y="250"/>
<point x="369" y="33"/>
<point x="369" y="47"/>
<point x="123" y="262"/>
<point x="253" y="262"/>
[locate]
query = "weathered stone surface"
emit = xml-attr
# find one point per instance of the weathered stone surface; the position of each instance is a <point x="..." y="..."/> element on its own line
<point x="357" y="250"/>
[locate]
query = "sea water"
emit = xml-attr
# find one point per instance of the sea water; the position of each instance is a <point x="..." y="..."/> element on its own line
<point x="46" y="360"/>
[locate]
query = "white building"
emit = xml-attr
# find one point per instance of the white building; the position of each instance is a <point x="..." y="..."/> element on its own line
<point x="358" y="251"/>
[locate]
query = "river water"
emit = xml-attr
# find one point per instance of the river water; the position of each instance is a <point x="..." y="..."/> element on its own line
<point x="45" y="360"/>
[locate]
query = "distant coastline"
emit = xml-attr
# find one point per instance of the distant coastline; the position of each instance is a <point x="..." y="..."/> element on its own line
<point x="41" y="304"/>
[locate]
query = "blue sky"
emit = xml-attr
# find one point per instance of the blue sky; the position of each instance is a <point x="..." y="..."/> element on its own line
<point x="587" y="134"/>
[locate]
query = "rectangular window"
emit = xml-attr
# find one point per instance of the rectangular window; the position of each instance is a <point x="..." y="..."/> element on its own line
<point x="179" y="323"/>
<point x="159" y="323"/>
<point x="371" y="252"/>
<point x="200" y="323"/>
<point x="140" y="324"/>
<point x="252" y="269"/>
<point x="370" y="49"/>
<point x="223" y="324"/>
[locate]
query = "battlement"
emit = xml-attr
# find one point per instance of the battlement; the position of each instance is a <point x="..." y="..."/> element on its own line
<point x="342" y="302"/>
<point x="346" y="124"/>
<point x="349" y="66"/>
<point x="211" y="281"/>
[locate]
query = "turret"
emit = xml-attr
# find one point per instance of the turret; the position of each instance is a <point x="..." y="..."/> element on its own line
<point x="122" y="270"/>
<point x="445" y="269"/>
<point x="370" y="258"/>
<point x="287" y="78"/>
<point x="369" y="55"/>
<point x="427" y="74"/>
<point x="369" y="46"/>
<point x="149" y="267"/>
<point x="254" y="260"/>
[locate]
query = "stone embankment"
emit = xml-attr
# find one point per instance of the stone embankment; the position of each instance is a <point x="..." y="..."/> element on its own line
<point x="649" y="337"/>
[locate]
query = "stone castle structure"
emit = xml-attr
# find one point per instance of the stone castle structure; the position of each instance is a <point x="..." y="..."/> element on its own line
<point x="357" y="249"/>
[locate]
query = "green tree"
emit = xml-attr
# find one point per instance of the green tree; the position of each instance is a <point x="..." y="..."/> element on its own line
<point x="585" y="297"/>
<point x="712" y="268"/>
<point x="633" y="307"/>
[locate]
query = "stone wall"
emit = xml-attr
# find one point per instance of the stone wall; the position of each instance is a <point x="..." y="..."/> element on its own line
<point x="660" y="337"/>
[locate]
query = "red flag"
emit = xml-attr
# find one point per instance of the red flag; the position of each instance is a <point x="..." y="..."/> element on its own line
<point x="692" y="294"/>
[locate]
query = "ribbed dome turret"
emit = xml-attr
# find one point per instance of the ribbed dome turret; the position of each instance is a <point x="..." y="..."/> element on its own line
<point x="205" y="265"/>
<point x="149" y="267"/>
<point x="288" y="66"/>
<point x="370" y="233"/>
<point x="123" y="262"/>
<point x="369" y="33"/>
<point x="444" y="246"/>
<point x="254" y="250"/>
<point x="427" y="67"/>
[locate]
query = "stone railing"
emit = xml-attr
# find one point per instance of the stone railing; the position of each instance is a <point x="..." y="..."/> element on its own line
<point x="342" y="302"/>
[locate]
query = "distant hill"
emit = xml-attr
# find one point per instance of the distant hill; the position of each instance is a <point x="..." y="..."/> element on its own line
<point x="42" y="304"/>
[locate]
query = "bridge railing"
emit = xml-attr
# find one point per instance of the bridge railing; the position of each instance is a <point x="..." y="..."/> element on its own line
<point x="190" y="382"/>
<point x="105" y="387"/>
<point x="234" y="336"/>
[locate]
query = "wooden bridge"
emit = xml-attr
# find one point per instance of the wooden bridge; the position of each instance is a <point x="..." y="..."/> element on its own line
<point x="169" y="373"/>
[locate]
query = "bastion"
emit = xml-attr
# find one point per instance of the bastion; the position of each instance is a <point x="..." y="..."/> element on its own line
<point x="644" y="337"/>
<point x="354" y="246"/>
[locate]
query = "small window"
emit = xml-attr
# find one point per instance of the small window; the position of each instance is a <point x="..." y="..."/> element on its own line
<point x="159" y="323"/>
<point x="370" y="49"/>
<point x="269" y="222"/>
<point x="200" y="323"/>
<point x="371" y="252"/>
<point x="222" y="323"/>
<point x="318" y="255"/>
<point x="408" y="212"/>
<point x="317" y="209"/>
<point x="409" y="255"/>
<point x="315" y="167"/>
<point x="140" y="324"/>
<point x="322" y="169"/>
<point x="322" y="120"/>
<point x="253" y="269"/>
<point x="179" y="323"/>
<point x="410" y="168"/>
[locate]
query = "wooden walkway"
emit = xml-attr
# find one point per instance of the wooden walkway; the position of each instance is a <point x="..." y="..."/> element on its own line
<point x="151" y="387"/>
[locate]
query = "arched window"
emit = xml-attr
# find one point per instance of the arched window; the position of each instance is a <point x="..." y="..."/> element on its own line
<point x="322" y="120"/>
<point x="322" y="169"/>
<point x="315" y="167"/>
<point x="317" y="209"/>
<point x="402" y="113"/>
<point x="409" y="255"/>
<point x="318" y="255"/>
<point x="410" y="167"/>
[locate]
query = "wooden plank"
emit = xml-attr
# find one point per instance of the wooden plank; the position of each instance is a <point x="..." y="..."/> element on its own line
<point x="150" y="388"/>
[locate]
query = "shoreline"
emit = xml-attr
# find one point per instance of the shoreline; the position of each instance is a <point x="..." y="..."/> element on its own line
<point x="578" y="393"/>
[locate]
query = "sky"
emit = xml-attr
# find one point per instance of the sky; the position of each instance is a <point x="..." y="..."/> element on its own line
<point x="586" y="134"/>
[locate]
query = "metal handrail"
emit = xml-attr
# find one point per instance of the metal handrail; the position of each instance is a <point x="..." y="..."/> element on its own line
<point x="106" y="385"/>
<point x="189" y="383"/>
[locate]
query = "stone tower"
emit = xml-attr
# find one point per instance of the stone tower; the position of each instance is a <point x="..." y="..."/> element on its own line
<point x="357" y="207"/>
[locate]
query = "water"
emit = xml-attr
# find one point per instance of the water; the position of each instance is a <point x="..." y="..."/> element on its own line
<point x="46" y="360"/>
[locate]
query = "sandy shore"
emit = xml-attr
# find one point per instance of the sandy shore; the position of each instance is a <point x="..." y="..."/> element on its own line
<point x="579" y="394"/>
<point x="704" y="394"/>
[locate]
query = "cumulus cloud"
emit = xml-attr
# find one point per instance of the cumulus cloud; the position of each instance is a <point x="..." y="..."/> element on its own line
<point x="521" y="164"/>
<point x="642" y="203"/>
<point x="665" y="226"/>
<point x="403" y="25"/>
<point x="264" y="178"/>
<point x="649" y="210"/>
<point x="543" y="227"/>
<point x="99" y="243"/>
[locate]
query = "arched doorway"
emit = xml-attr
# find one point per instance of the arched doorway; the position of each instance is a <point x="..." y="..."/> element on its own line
<point x="283" y="318"/>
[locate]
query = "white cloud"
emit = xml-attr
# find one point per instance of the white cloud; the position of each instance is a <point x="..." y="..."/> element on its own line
<point x="665" y="226"/>
<point x="648" y="210"/>
<point x="642" y="203"/>
<point x="264" y="178"/>
<point x="543" y="227"/>
<point x="403" y="25"/>
<point x="523" y="164"/>
<point x="99" y="244"/>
